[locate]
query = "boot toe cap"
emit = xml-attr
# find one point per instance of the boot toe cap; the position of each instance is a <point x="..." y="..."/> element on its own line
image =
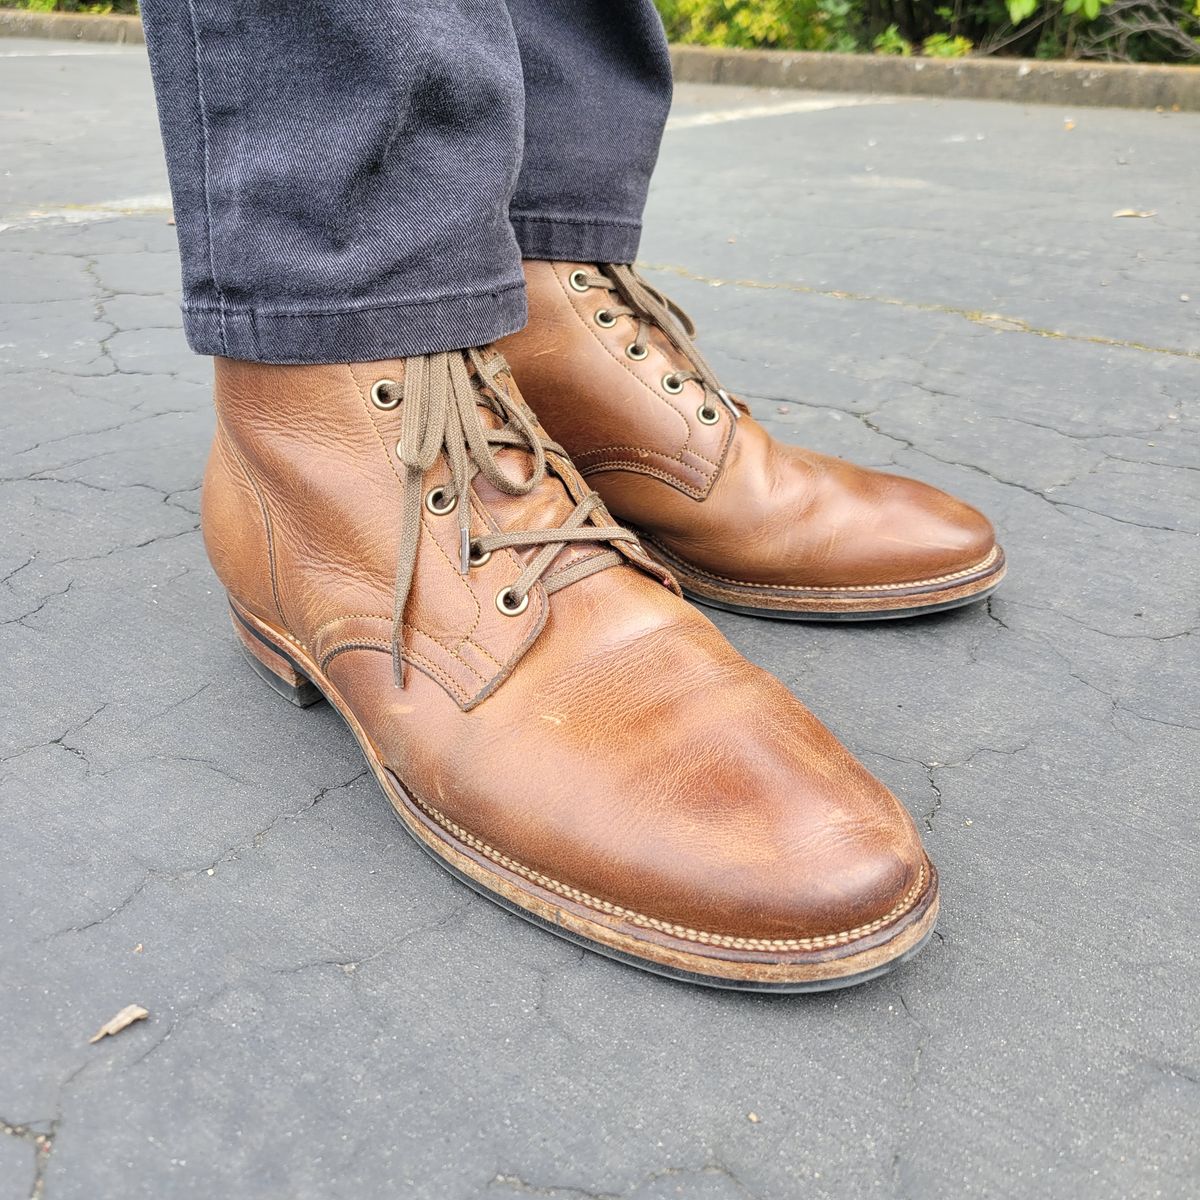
<point x="893" y="531"/>
<point x="936" y="533"/>
<point x="840" y="875"/>
<point x="758" y="832"/>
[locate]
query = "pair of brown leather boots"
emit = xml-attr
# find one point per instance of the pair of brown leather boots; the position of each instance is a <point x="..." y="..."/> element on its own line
<point x="549" y="718"/>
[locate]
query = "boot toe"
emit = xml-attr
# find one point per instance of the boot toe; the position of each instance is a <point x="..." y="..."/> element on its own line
<point x="838" y="865"/>
<point x="758" y="834"/>
<point x="921" y="532"/>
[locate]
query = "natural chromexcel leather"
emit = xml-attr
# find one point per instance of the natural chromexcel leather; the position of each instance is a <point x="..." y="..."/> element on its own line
<point x="711" y="491"/>
<point x="606" y="748"/>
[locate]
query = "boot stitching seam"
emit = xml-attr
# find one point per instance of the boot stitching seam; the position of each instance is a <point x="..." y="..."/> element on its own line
<point x="727" y="941"/>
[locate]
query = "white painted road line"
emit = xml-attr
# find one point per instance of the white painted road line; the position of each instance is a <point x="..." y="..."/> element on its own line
<point x="74" y="52"/>
<point x="753" y="112"/>
<point x="111" y="210"/>
<point x="79" y="214"/>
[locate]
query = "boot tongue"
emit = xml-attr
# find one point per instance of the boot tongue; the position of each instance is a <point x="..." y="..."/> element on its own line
<point x="549" y="504"/>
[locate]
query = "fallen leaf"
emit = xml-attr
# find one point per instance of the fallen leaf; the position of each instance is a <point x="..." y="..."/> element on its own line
<point x="126" y="1017"/>
<point x="1135" y="212"/>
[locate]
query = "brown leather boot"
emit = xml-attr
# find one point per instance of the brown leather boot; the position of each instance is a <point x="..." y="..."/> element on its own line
<point x="744" y="522"/>
<point x="547" y="716"/>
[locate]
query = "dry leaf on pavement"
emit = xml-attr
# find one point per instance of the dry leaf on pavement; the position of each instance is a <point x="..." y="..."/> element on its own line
<point x="127" y="1016"/>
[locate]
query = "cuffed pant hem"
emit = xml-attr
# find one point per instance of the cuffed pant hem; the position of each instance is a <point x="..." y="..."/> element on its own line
<point x="387" y="330"/>
<point x="576" y="240"/>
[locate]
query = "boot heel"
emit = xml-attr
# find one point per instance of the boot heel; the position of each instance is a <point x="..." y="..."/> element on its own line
<point x="274" y="665"/>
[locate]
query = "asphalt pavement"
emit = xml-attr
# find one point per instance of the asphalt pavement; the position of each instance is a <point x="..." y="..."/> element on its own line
<point x="940" y="288"/>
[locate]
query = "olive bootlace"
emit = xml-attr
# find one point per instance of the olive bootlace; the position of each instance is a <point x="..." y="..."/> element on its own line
<point x="445" y="398"/>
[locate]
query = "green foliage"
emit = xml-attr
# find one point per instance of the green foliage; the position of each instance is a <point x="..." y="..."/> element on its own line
<point x="945" y="45"/>
<point x="1127" y="30"/>
<point x="784" y="24"/>
<point x="73" y="6"/>
<point x="1123" y="30"/>
<point x="891" y="41"/>
<point x="1022" y="10"/>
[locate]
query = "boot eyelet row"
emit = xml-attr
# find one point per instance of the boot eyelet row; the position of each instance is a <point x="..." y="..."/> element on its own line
<point x="636" y="352"/>
<point x="385" y="394"/>
<point x="605" y="319"/>
<point x="511" y="610"/>
<point x="672" y="384"/>
<point x="439" y="503"/>
<point x="578" y="281"/>
<point x="708" y="416"/>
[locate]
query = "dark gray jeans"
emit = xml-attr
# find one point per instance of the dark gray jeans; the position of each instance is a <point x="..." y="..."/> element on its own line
<point x="358" y="179"/>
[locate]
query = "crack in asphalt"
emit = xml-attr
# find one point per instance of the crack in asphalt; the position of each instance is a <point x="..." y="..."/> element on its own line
<point x="42" y="1141"/>
<point x="350" y="964"/>
<point x="868" y="419"/>
<point x="515" y="1184"/>
<point x="175" y="875"/>
<point x="908" y="1098"/>
<point x="996" y="321"/>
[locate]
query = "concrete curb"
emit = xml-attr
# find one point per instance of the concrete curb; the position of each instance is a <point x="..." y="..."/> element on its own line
<point x="1117" y="85"/>
<point x="1026" y="81"/>
<point x="71" y="27"/>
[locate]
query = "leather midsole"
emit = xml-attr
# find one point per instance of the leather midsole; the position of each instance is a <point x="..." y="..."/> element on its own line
<point x="859" y="598"/>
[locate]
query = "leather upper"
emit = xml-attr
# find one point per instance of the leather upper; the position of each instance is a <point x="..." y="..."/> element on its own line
<point x="724" y="496"/>
<point x="607" y="740"/>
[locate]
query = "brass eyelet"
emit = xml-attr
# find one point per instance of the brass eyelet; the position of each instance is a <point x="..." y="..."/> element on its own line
<point x="578" y="281"/>
<point x="508" y="610"/>
<point x="380" y="397"/>
<point x="605" y="319"/>
<point x="672" y="383"/>
<point x="439" y="503"/>
<point x="477" y="560"/>
<point x="708" y="416"/>
<point x="636" y="352"/>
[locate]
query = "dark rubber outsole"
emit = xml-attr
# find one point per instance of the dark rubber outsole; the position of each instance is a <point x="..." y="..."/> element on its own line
<point x="889" y="614"/>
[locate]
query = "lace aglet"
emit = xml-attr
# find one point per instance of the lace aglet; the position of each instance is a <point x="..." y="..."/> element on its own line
<point x="464" y="551"/>
<point x="398" y="667"/>
<point x="727" y="400"/>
